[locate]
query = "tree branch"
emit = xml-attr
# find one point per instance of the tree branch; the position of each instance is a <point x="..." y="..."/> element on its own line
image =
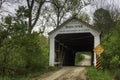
<point x="32" y="3"/>
<point x="61" y="16"/>
<point x="63" y="6"/>
<point x="38" y="13"/>
<point x="53" y="20"/>
<point x="28" y="3"/>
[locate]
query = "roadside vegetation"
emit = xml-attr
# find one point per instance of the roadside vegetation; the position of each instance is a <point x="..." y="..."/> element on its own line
<point x="30" y="75"/>
<point x="93" y="74"/>
<point x="110" y="29"/>
<point x="78" y="57"/>
<point x="23" y="54"/>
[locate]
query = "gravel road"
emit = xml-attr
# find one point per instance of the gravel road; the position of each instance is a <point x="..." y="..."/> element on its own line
<point x="68" y="73"/>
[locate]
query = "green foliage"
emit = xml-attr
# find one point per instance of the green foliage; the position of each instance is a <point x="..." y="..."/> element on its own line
<point x="31" y="75"/>
<point x="21" y="52"/>
<point x="78" y="57"/>
<point x="93" y="74"/>
<point x="85" y="17"/>
<point x="111" y="55"/>
<point x="22" y="12"/>
<point x="8" y="20"/>
<point x="117" y="75"/>
<point x="110" y="41"/>
<point x="103" y="21"/>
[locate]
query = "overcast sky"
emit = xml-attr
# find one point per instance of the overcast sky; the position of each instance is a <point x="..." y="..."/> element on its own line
<point x="11" y="5"/>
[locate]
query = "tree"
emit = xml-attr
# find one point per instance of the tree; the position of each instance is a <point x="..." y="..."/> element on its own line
<point x="83" y="16"/>
<point x="34" y="9"/>
<point x="21" y="52"/>
<point x="103" y="21"/>
<point x="63" y="9"/>
<point x="111" y="6"/>
<point x="111" y="55"/>
<point x="59" y="9"/>
<point x="114" y="12"/>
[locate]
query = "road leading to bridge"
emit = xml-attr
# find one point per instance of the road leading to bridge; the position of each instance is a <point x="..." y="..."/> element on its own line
<point x="68" y="73"/>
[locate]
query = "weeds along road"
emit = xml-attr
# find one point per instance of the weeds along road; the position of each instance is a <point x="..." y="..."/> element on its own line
<point x="68" y="73"/>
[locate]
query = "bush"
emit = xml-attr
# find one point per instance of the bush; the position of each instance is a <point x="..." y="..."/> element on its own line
<point x="117" y="75"/>
<point x="93" y="74"/>
<point x="22" y="54"/>
<point x="21" y="51"/>
<point x="111" y="55"/>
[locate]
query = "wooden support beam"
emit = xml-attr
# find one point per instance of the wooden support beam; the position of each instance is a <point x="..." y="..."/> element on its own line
<point x="63" y="45"/>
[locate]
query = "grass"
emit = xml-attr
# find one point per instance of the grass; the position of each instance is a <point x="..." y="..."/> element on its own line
<point x="93" y="74"/>
<point x="30" y="75"/>
<point x="79" y="57"/>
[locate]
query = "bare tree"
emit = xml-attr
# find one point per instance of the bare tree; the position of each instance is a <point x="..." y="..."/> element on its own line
<point x="62" y="9"/>
<point x="34" y="7"/>
<point x="59" y="10"/>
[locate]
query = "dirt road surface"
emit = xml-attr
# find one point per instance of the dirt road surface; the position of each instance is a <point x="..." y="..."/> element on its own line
<point x="68" y="73"/>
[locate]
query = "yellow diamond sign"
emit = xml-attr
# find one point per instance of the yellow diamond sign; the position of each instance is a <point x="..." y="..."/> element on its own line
<point x="98" y="49"/>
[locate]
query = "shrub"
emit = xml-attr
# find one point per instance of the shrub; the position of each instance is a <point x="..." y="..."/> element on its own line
<point x="111" y="55"/>
<point x="93" y="74"/>
<point x="117" y="75"/>
<point x="22" y="54"/>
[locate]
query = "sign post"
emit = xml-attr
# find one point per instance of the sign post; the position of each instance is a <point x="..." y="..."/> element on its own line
<point x="98" y="50"/>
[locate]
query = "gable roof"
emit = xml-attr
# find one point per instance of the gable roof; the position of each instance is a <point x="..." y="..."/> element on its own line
<point x="70" y="19"/>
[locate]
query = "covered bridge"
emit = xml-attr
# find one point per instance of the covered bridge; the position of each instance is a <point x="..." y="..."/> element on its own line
<point x="74" y="35"/>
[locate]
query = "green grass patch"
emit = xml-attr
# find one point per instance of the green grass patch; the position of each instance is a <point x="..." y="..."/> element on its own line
<point x="116" y="74"/>
<point x="31" y="74"/>
<point x="94" y="74"/>
<point x="78" y="57"/>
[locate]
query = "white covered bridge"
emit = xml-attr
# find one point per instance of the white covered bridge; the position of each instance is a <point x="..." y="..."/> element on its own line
<point x="74" y="35"/>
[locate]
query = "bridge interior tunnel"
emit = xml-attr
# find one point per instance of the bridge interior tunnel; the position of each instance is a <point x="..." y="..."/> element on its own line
<point x="66" y="45"/>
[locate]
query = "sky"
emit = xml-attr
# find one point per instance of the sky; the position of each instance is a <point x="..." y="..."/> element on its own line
<point x="11" y="6"/>
<point x="96" y="4"/>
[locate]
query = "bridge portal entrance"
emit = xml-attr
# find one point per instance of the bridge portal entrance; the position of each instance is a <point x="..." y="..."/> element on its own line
<point x="74" y="35"/>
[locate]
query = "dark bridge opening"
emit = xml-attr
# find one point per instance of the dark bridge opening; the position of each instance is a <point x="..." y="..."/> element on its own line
<point x="66" y="45"/>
